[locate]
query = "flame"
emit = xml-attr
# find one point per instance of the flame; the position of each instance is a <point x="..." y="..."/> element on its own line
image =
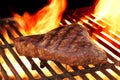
<point x="108" y="11"/>
<point x="42" y="21"/>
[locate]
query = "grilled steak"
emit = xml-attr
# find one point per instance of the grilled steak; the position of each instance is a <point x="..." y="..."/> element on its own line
<point x="68" y="44"/>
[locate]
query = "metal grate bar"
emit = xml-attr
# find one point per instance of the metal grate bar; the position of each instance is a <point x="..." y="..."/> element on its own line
<point x="65" y="71"/>
<point x="82" y="74"/>
<point x="7" y="28"/>
<point x="114" y="60"/>
<point x="6" y="77"/>
<point x="108" y="74"/>
<point x="9" y="64"/>
<point x="13" y="24"/>
<point x="94" y="74"/>
<point x="115" y="70"/>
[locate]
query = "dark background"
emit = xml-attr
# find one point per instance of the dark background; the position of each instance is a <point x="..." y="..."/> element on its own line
<point x="32" y="6"/>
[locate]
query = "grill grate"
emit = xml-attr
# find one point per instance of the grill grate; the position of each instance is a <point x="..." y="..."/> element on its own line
<point x="108" y="71"/>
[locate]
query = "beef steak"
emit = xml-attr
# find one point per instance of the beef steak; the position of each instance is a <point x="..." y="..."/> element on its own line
<point x="68" y="44"/>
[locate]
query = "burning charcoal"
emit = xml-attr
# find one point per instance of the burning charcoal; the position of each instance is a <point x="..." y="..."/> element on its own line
<point x="68" y="44"/>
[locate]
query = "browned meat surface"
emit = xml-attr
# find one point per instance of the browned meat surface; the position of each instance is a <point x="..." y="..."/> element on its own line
<point x="68" y="44"/>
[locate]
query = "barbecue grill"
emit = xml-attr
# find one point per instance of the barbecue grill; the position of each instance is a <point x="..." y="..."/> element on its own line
<point x="51" y="70"/>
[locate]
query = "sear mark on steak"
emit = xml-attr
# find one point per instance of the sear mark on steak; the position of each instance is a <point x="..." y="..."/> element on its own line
<point x="68" y="44"/>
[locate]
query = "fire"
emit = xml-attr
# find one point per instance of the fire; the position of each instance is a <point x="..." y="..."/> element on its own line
<point x="108" y="11"/>
<point x="42" y="21"/>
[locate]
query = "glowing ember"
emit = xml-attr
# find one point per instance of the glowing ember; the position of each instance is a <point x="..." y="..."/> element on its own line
<point x="44" y="20"/>
<point x="108" y="10"/>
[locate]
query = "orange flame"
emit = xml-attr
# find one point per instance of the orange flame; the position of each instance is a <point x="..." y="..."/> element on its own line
<point x="44" y="20"/>
<point x="108" y="10"/>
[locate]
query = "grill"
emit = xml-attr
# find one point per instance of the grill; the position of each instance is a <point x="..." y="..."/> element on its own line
<point x="51" y="70"/>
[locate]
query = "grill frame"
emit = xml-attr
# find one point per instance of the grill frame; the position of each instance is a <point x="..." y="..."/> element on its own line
<point x="75" y="17"/>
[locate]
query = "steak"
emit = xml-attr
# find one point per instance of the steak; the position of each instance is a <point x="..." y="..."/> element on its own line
<point x="67" y="44"/>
